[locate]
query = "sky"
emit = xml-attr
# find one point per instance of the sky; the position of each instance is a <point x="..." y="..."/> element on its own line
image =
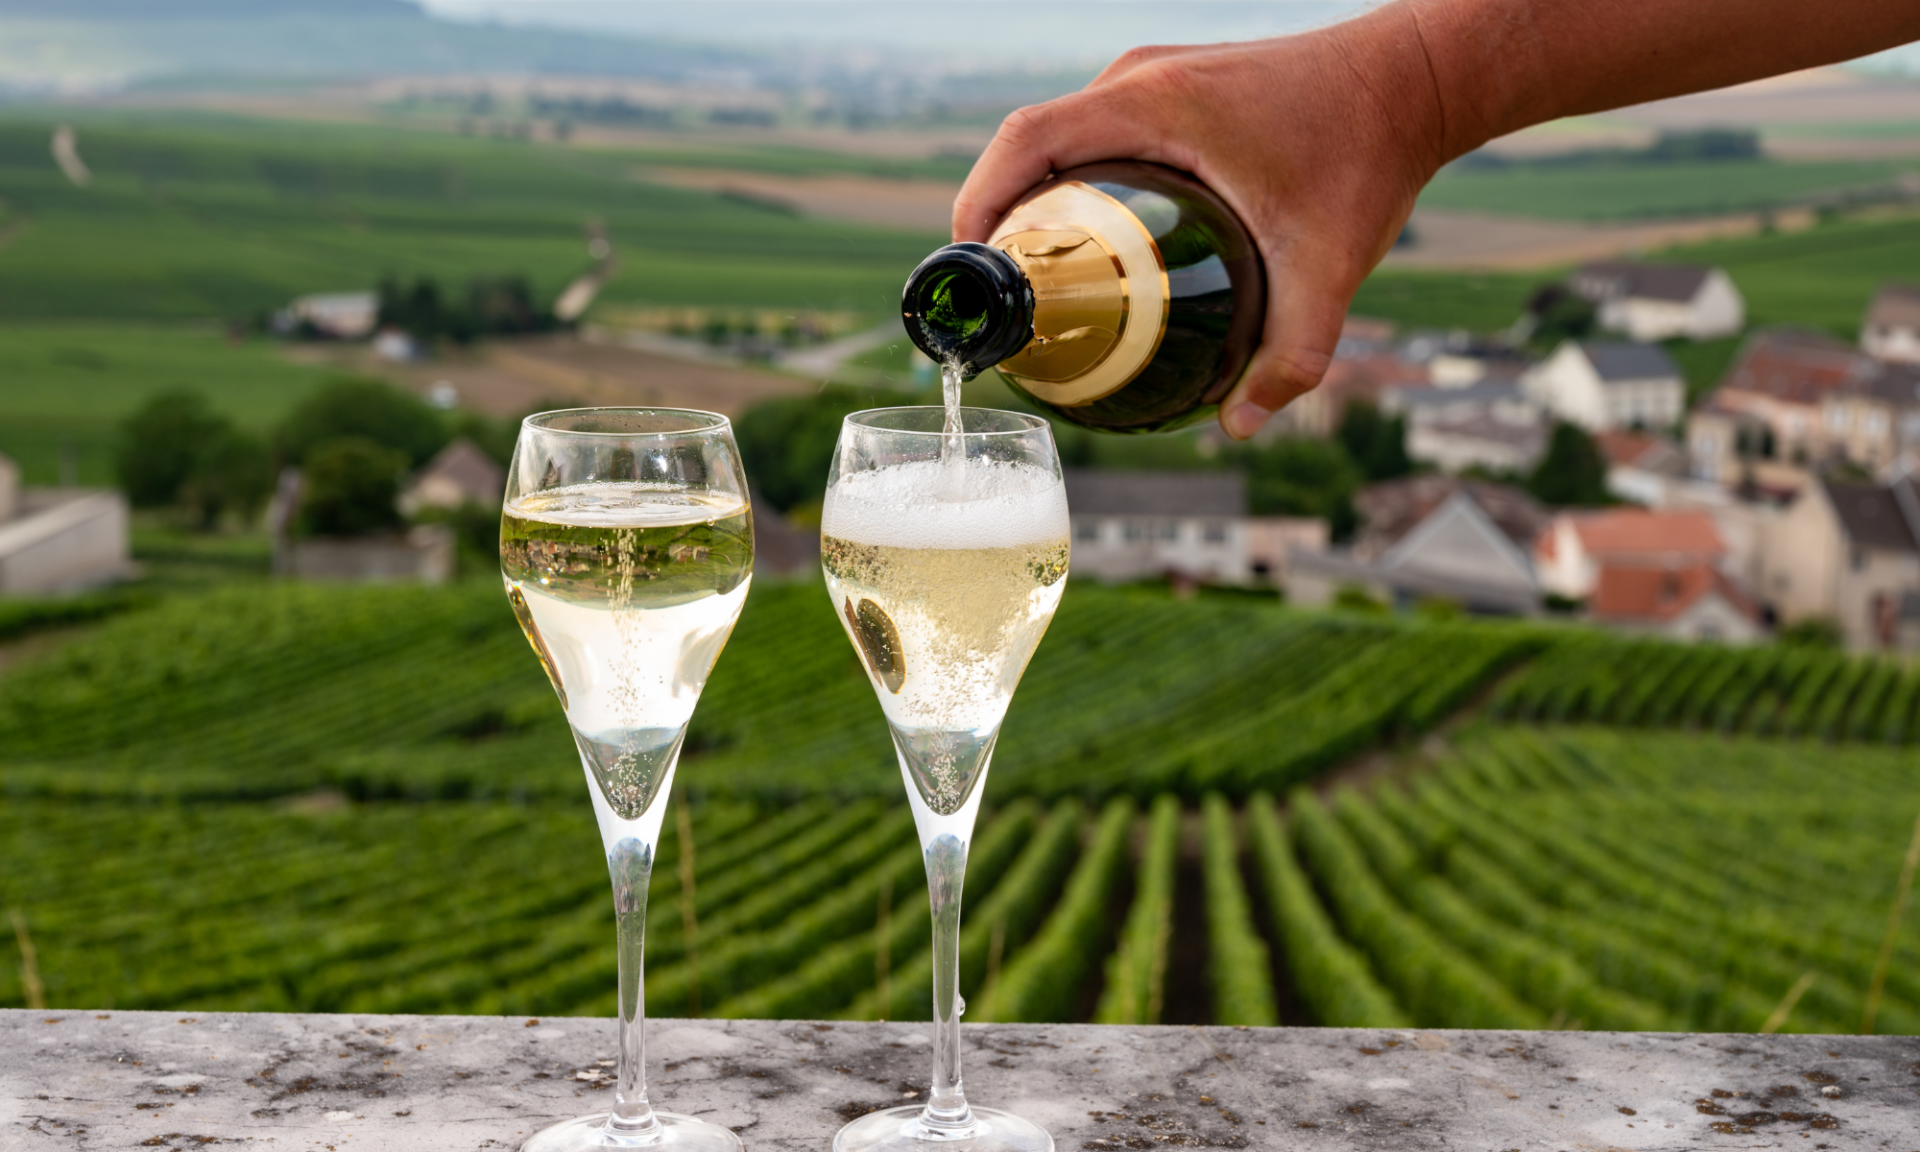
<point x="1015" y="33"/>
<point x="1021" y="33"/>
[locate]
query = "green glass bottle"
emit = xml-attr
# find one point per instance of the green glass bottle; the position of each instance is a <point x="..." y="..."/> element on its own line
<point x="1122" y="296"/>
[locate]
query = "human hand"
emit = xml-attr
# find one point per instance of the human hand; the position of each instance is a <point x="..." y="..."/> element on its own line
<point x="1320" y="142"/>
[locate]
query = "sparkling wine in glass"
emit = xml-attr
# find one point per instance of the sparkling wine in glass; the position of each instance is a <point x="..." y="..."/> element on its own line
<point x="946" y="554"/>
<point x="626" y="545"/>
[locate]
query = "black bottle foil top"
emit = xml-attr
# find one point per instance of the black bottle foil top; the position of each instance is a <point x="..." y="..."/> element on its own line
<point x="968" y="304"/>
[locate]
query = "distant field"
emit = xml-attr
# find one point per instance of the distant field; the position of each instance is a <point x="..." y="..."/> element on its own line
<point x="1629" y="191"/>
<point x="71" y="383"/>
<point x="200" y="217"/>
<point x="1820" y="278"/>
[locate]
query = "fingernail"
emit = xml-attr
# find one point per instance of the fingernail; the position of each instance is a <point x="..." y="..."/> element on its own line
<point x="1245" y="418"/>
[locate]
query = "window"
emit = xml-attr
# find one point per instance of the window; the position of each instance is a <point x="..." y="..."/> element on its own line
<point x="1166" y="530"/>
<point x="1876" y="423"/>
<point x="1087" y="531"/>
<point x="1134" y="531"/>
<point x="1215" y="532"/>
<point x="1836" y="418"/>
<point x="1858" y="559"/>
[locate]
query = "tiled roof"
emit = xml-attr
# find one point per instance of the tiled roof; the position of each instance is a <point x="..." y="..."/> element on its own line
<point x="472" y="471"/>
<point x="1793" y="366"/>
<point x="1675" y="282"/>
<point x="1895" y="306"/>
<point x="1896" y="384"/>
<point x="1100" y="492"/>
<point x="1622" y="532"/>
<point x="1395" y="507"/>
<point x="1614" y="361"/>
<point x="1638" y="593"/>
<point x="1626" y="448"/>
<point x="1883" y="518"/>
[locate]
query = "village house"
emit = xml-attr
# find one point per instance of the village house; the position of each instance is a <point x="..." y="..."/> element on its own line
<point x="1849" y="553"/>
<point x="1648" y="302"/>
<point x="59" y="539"/>
<point x="1875" y="418"/>
<point x="1433" y="537"/>
<point x="1574" y="549"/>
<point x="1502" y="400"/>
<point x="1362" y="374"/>
<point x="1601" y="385"/>
<point x="1642" y="467"/>
<point x="1891" y="330"/>
<point x="1482" y="441"/>
<point x="1192" y="526"/>
<point x="1770" y="404"/>
<point x="340" y="315"/>
<point x="458" y="475"/>
<point x="1697" y="603"/>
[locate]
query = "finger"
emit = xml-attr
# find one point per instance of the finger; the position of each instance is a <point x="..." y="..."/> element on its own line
<point x="1045" y="138"/>
<point x="1307" y="305"/>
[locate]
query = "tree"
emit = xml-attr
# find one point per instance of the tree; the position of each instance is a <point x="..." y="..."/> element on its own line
<point x="787" y="443"/>
<point x="1296" y="476"/>
<point x="161" y="444"/>
<point x="1572" y="472"/>
<point x="351" y="406"/>
<point x="1377" y="443"/>
<point x="351" y="485"/>
<point x="1555" y="313"/>
<point x="177" y="451"/>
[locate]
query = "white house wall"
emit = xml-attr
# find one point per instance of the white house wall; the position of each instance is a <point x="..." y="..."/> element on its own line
<point x="1567" y="386"/>
<point x="1105" y="548"/>
<point x="1891" y="342"/>
<point x="77" y="543"/>
<point x="1718" y="309"/>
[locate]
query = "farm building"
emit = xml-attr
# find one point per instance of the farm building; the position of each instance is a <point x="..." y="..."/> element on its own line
<point x="1571" y="554"/>
<point x="458" y="475"/>
<point x="1647" y="302"/>
<point x="1697" y="602"/>
<point x="1485" y="441"/>
<point x="1188" y="525"/>
<point x="1771" y="402"/>
<point x="1849" y="553"/>
<point x="1891" y="330"/>
<point x="1433" y="537"/>
<point x="59" y="539"/>
<point x="1875" y="418"/>
<point x="1607" y="385"/>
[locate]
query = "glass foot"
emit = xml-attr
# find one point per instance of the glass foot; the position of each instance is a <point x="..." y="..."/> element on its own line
<point x="673" y="1131"/>
<point x="899" y="1130"/>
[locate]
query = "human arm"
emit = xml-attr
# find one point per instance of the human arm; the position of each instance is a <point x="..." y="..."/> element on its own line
<point x="1322" y="141"/>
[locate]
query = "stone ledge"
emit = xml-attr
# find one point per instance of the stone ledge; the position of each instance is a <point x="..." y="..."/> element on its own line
<point x="131" y="1079"/>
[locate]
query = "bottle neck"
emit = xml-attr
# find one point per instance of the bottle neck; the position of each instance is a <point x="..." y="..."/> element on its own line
<point x="969" y="304"/>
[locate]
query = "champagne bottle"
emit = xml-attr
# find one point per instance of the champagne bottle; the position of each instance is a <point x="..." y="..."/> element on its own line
<point x="1121" y="296"/>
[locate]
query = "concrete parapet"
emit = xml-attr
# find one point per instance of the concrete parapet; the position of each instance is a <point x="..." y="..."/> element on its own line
<point x="115" y="1079"/>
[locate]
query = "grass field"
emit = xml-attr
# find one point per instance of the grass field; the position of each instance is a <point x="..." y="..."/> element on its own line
<point x="199" y="216"/>
<point x="66" y="385"/>
<point x="1640" y="190"/>
<point x="364" y="799"/>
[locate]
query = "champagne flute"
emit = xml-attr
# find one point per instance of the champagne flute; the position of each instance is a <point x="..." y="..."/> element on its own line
<point x="626" y="544"/>
<point x="946" y="555"/>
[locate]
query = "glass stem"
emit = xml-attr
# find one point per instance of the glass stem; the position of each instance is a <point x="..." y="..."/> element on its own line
<point x="946" y="860"/>
<point x="631" y="864"/>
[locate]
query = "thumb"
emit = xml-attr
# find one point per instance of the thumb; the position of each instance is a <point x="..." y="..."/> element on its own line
<point x="1306" y="306"/>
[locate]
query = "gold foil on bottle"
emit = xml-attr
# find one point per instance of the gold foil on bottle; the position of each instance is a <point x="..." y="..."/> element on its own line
<point x="1100" y="293"/>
